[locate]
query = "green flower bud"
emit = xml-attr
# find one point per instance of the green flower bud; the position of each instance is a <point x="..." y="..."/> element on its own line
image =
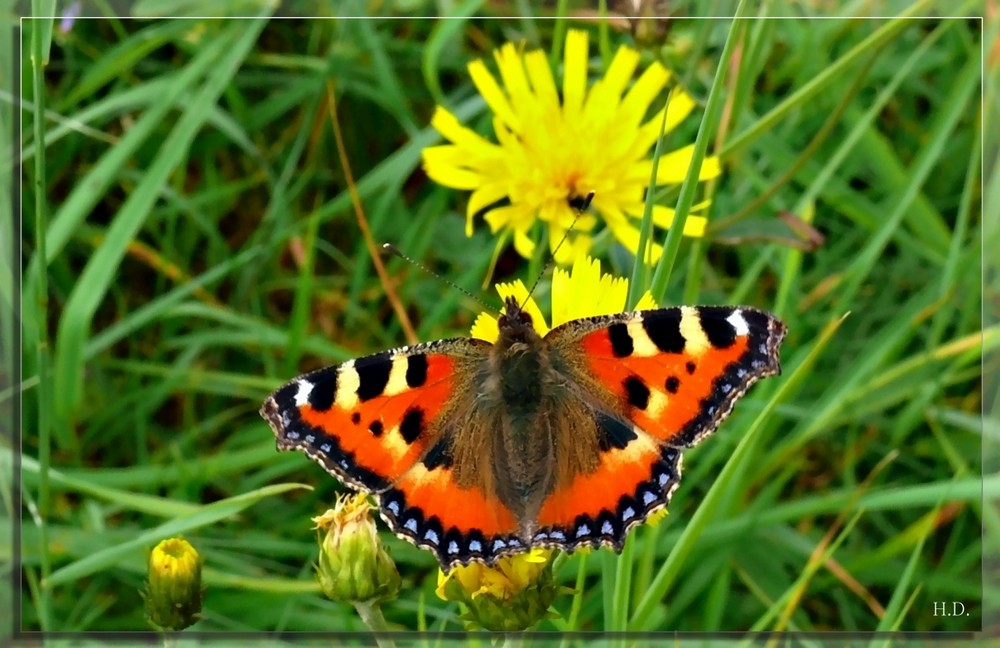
<point x="173" y="591"/>
<point x="354" y="567"/>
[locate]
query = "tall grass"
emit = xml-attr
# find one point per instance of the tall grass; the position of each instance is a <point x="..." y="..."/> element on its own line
<point x="190" y="242"/>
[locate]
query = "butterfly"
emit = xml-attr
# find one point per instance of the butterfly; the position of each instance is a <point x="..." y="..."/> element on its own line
<point x="479" y="450"/>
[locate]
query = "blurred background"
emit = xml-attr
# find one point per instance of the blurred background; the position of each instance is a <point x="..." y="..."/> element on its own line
<point x="199" y="246"/>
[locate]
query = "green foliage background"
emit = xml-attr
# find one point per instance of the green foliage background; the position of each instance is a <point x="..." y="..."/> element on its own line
<point x="200" y="248"/>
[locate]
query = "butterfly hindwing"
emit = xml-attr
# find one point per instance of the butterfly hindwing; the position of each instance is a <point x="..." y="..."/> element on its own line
<point x="634" y="476"/>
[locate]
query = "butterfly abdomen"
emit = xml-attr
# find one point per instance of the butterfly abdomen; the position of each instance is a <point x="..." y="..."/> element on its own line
<point x="520" y="388"/>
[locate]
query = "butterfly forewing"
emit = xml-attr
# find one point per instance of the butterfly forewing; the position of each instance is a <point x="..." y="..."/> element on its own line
<point x="675" y="372"/>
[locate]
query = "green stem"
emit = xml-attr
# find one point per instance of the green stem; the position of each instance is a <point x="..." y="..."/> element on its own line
<point x="38" y="61"/>
<point x="371" y="614"/>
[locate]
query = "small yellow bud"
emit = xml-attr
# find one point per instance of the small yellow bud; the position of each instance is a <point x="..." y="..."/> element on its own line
<point x="512" y="595"/>
<point x="354" y="566"/>
<point x="173" y="591"/>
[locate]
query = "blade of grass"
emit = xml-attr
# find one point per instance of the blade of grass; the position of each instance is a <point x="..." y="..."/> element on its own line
<point x="443" y="33"/>
<point x="638" y="283"/>
<point x="302" y="301"/>
<point x="124" y="55"/>
<point x="894" y="610"/>
<point x="204" y="516"/>
<point x="828" y="544"/>
<point x="41" y="41"/>
<point x="966" y="82"/>
<point x="150" y="504"/>
<point x="74" y="327"/>
<point x="685" y="199"/>
<point x="624" y="566"/>
<point x="373" y="251"/>
<point x="822" y="80"/>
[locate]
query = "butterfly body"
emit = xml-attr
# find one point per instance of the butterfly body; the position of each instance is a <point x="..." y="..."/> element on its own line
<point x="478" y="450"/>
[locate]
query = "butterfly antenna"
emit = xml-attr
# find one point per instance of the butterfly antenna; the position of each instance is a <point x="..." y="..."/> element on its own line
<point x="389" y="247"/>
<point x="581" y="207"/>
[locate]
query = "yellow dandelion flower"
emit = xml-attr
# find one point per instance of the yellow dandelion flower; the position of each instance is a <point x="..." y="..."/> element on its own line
<point x="552" y="151"/>
<point x="512" y="595"/>
<point x="582" y="292"/>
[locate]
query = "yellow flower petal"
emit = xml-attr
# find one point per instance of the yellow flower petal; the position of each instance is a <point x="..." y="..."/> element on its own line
<point x="583" y="291"/>
<point x="637" y="100"/>
<point x="537" y="65"/>
<point x="605" y="95"/>
<point x="485" y="328"/>
<point x="562" y="306"/>
<point x="680" y="106"/>
<point x="628" y="235"/>
<point x="491" y="92"/>
<point x="693" y="226"/>
<point x="507" y="215"/>
<point x="646" y="302"/>
<point x="451" y="176"/>
<point x="523" y="244"/>
<point x="451" y="129"/>
<point x="482" y="197"/>
<point x="509" y="61"/>
<point x="674" y="165"/>
<point x="574" y="73"/>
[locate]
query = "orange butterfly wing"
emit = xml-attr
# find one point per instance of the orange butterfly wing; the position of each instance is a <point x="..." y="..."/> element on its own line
<point x="376" y="423"/>
<point x="672" y="376"/>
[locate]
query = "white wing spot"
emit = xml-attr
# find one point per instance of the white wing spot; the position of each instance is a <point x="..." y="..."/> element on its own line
<point x="607" y="529"/>
<point x="302" y="394"/>
<point x="739" y="322"/>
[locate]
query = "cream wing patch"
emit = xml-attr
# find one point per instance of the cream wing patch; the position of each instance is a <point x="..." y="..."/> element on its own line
<point x="397" y="376"/>
<point x="696" y="342"/>
<point x="642" y="345"/>
<point x="348" y="382"/>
